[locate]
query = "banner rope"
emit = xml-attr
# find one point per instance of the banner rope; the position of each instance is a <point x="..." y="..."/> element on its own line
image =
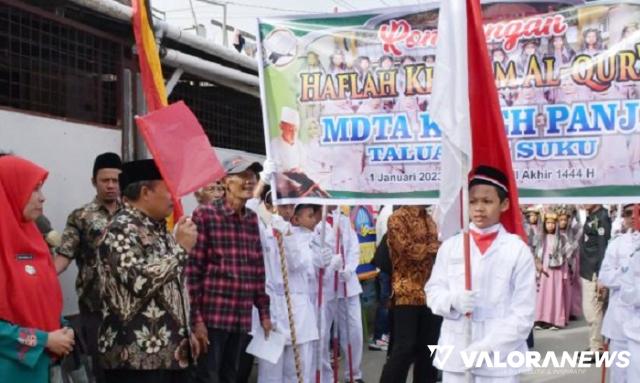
<point x="287" y="295"/>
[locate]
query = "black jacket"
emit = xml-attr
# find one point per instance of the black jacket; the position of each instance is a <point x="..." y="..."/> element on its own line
<point x="593" y="244"/>
<point x="381" y="257"/>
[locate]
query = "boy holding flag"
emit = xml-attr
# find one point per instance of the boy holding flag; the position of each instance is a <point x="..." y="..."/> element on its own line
<point x="501" y="303"/>
<point x="483" y="281"/>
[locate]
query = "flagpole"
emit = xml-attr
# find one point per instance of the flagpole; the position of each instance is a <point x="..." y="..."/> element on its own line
<point x="464" y="210"/>
<point x="323" y="232"/>
<point x="334" y="337"/>
<point x="340" y="247"/>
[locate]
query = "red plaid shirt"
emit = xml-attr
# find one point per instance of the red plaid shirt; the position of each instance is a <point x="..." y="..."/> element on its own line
<point x="225" y="270"/>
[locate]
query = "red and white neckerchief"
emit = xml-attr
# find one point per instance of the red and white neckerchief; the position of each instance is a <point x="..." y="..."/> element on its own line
<point x="483" y="238"/>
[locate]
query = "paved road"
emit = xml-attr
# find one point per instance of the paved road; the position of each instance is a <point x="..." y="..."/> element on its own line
<point x="572" y="338"/>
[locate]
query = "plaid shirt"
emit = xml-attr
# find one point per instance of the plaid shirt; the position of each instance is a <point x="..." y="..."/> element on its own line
<point x="225" y="270"/>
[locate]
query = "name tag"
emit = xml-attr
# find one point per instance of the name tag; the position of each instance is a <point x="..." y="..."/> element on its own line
<point x="24" y="257"/>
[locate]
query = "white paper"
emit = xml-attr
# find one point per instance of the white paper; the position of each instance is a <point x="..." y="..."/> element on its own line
<point x="267" y="349"/>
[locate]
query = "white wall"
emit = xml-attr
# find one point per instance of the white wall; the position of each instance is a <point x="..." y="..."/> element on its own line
<point x="67" y="150"/>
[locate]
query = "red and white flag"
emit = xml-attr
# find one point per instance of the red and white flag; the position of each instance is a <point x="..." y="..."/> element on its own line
<point x="465" y="105"/>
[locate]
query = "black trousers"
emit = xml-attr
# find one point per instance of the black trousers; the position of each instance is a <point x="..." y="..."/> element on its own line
<point x="414" y="329"/>
<point x="146" y="376"/>
<point x="89" y="326"/>
<point x="221" y="362"/>
<point x="246" y="361"/>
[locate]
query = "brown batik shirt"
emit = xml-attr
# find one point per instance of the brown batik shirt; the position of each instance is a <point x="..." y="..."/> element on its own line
<point x="413" y="242"/>
<point x="84" y="229"/>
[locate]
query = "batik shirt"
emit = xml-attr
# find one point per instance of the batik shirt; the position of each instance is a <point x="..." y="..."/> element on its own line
<point x="84" y="229"/>
<point x="413" y="243"/>
<point x="144" y="308"/>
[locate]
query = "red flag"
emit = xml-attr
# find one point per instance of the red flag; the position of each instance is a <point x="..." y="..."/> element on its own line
<point x="180" y="148"/>
<point x="465" y="106"/>
<point x="153" y="87"/>
<point x="489" y="140"/>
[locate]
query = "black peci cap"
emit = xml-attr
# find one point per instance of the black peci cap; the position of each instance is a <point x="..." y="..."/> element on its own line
<point x="136" y="171"/>
<point x="487" y="175"/>
<point x="106" y="160"/>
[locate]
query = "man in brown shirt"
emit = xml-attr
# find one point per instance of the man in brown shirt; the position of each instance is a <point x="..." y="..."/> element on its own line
<point x="413" y="244"/>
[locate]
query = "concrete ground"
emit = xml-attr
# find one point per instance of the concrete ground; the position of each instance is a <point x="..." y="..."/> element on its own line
<point x="572" y="338"/>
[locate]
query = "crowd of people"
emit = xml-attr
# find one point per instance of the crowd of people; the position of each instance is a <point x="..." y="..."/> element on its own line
<point x="582" y="257"/>
<point x="184" y="305"/>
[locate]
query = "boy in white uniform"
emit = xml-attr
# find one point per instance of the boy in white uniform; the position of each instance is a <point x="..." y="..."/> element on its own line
<point x="300" y="263"/>
<point x="339" y="308"/>
<point x="304" y="222"/>
<point x="616" y="259"/>
<point x="630" y="295"/>
<point x="502" y="302"/>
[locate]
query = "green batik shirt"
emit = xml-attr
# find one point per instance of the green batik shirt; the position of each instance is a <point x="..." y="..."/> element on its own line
<point x="84" y="229"/>
<point x="144" y="308"/>
<point x="22" y="354"/>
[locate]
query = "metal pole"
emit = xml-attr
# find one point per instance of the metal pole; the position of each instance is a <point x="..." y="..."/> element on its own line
<point x="141" y="151"/>
<point x="193" y="14"/>
<point x="225" y="37"/>
<point x="128" y="129"/>
<point x="175" y="77"/>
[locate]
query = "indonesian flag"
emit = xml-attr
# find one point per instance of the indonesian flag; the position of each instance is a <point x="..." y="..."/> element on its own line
<point x="465" y="106"/>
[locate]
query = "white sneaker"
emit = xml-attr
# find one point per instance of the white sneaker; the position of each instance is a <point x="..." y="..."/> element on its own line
<point x="378" y="345"/>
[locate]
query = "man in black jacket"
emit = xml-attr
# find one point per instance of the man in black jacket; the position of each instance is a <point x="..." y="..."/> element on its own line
<point x="382" y="326"/>
<point x="595" y="237"/>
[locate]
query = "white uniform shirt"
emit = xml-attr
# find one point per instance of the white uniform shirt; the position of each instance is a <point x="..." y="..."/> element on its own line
<point x="351" y="248"/>
<point x="630" y="292"/>
<point x="299" y="266"/>
<point x="616" y="260"/>
<point x="504" y="278"/>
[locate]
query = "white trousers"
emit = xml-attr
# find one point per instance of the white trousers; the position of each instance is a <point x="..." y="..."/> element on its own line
<point x="339" y="310"/>
<point x="617" y="374"/>
<point x="284" y="370"/>
<point x="455" y="377"/>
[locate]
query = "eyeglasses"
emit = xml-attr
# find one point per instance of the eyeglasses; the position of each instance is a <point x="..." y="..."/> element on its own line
<point x="627" y="213"/>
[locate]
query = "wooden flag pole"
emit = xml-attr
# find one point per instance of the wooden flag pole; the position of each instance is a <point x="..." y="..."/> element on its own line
<point x="335" y="328"/>
<point x="323" y="232"/>
<point x="340" y="247"/>
<point x="464" y="217"/>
